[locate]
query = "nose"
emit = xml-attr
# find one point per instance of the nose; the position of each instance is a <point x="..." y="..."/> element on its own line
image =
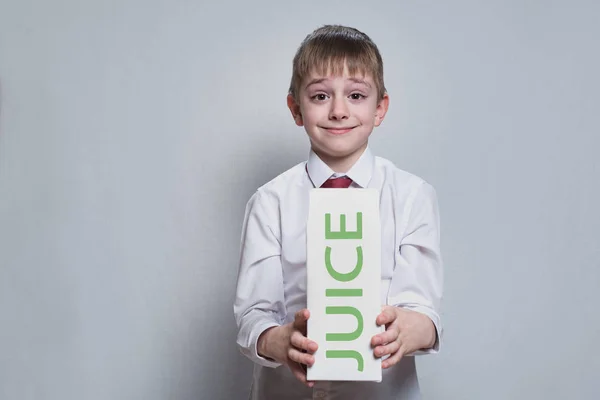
<point x="339" y="109"/>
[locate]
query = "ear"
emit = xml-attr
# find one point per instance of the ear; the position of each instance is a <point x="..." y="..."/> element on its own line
<point x="381" y="109"/>
<point x="295" y="110"/>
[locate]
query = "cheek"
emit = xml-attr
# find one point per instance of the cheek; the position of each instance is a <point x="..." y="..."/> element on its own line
<point x="366" y="116"/>
<point x="311" y="114"/>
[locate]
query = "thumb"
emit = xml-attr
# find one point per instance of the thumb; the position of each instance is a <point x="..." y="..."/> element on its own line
<point x="300" y="319"/>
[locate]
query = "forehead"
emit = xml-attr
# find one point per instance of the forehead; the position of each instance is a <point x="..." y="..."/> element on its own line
<point x="342" y="72"/>
<point x="331" y="69"/>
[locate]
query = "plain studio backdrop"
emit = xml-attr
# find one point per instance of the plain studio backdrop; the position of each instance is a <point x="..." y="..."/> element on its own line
<point x="133" y="133"/>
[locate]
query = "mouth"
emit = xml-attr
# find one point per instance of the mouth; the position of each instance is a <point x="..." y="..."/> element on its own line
<point x="338" y="131"/>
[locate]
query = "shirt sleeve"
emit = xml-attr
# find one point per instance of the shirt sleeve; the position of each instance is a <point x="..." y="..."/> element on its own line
<point x="259" y="302"/>
<point x="417" y="281"/>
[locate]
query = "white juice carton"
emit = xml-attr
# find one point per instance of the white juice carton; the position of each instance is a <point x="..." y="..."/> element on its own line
<point x="343" y="283"/>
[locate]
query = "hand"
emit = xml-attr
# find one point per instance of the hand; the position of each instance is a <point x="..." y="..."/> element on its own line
<point x="406" y="331"/>
<point x="285" y="345"/>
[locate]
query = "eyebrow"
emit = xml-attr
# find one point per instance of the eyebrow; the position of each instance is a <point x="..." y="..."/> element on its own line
<point x="321" y="80"/>
<point x="314" y="82"/>
<point x="360" y="81"/>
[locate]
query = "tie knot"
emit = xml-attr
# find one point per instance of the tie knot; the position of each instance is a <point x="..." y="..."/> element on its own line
<point x="342" y="182"/>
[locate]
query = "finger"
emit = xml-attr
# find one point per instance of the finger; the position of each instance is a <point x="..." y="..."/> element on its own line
<point x="300" y="319"/>
<point x="300" y="374"/>
<point x="301" y="342"/>
<point x="299" y="357"/>
<point x="391" y="348"/>
<point x="386" y="337"/>
<point x="393" y="359"/>
<point x="387" y="316"/>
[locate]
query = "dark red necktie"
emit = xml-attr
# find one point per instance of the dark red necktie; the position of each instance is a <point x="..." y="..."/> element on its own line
<point x="342" y="182"/>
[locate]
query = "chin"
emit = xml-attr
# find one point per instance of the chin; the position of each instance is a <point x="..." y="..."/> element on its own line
<point x="340" y="151"/>
<point x="338" y="147"/>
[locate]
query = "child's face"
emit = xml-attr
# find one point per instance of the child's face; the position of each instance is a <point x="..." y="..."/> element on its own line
<point x="338" y="114"/>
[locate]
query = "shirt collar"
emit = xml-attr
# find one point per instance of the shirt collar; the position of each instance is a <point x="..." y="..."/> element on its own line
<point x="360" y="172"/>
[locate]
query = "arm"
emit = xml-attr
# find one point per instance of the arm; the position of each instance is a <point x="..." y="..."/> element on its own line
<point x="412" y="318"/>
<point x="417" y="283"/>
<point x="259" y="306"/>
<point x="259" y="302"/>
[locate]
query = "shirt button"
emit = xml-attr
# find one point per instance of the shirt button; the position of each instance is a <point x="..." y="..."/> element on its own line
<point x="320" y="394"/>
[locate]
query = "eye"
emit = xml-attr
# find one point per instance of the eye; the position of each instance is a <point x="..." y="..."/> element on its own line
<point x="320" y="97"/>
<point x="357" y="96"/>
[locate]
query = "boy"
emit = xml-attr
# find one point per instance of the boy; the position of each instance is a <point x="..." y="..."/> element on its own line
<point x="337" y="94"/>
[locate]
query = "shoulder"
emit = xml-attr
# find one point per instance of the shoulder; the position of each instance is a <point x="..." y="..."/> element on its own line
<point x="273" y="190"/>
<point x="401" y="180"/>
<point x="265" y="203"/>
<point x="414" y="197"/>
<point x="282" y="182"/>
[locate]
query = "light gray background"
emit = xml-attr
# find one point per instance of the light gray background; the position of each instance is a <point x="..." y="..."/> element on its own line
<point x="133" y="133"/>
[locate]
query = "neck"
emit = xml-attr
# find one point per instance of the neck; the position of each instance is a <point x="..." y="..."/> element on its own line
<point x="341" y="164"/>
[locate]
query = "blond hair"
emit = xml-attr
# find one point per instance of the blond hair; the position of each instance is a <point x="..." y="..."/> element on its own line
<point x="330" y="49"/>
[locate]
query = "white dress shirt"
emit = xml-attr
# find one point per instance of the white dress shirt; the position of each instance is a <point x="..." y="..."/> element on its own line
<point x="271" y="285"/>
